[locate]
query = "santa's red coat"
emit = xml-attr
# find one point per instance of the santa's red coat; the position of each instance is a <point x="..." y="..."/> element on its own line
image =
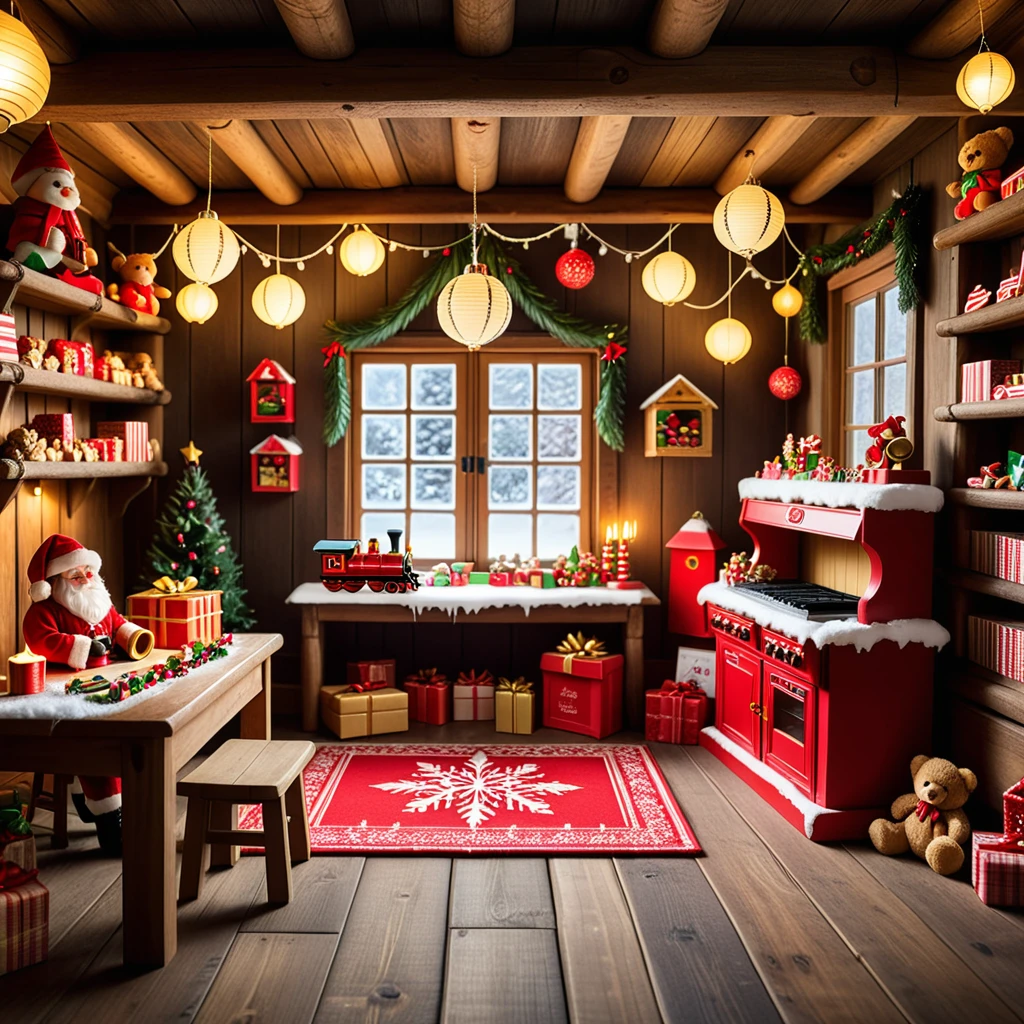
<point x="33" y="221"/>
<point x="61" y="637"/>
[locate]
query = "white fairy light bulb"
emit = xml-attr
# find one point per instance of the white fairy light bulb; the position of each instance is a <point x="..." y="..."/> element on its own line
<point x="196" y="303"/>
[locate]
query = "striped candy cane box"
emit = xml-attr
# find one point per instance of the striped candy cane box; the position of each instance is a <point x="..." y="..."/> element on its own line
<point x="978" y="379"/>
<point x="24" y="925"/>
<point x="1010" y="662"/>
<point x="8" y="338"/>
<point x="134" y="434"/>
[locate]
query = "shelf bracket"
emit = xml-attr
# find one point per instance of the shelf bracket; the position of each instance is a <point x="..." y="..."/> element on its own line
<point x="76" y="492"/>
<point x="82" y="321"/>
<point x="11" y="481"/>
<point x="124" y="490"/>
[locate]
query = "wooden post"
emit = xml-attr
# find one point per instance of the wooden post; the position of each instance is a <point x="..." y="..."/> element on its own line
<point x="255" y="716"/>
<point x="312" y="665"/>
<point x="634" y="650"/>
<point x="298" y="820"/>
<point x="223" y="818"/>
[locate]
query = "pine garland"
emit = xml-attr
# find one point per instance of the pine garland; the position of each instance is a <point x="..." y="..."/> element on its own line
<point x="900" y="224"/>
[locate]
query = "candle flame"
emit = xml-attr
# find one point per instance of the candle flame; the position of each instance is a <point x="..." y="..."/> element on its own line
<point x="25" y="657"/>
<point x="608" y="535"/>
<point x="628" y="530"/>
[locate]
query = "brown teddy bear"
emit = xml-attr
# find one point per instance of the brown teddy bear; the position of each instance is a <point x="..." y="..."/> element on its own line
<point x="982" y="159"/>
<point x="138" y="273"/>
<point x="929" y="821"/>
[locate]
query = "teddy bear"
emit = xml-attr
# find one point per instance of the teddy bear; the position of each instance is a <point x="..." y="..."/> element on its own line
<point x="138" y="273"/>
<point x="32" y="351"/>
<point x="24" y="444"/>
<point x="982" y="159"/>
<point x="142" y="363"/>
<point x="930" y="821"/>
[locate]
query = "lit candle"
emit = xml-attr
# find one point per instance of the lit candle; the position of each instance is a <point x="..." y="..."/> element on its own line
<point x="623" y="559"/>
<point x="607" y="557"/>
<point x="26" y="673"/>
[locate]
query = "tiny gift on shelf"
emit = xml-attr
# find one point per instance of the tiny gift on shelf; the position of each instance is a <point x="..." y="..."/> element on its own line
<point x="8" y="338"/>
<point x="676" y="713"/>
<point x="428" y="693"/>
<point x="583" y="687"/>
<point x="380" y="670"/>
<point x="514" y="706"/>
<point x="75" y="356"/>
<point x="176" y="613"/>
<point x="978" y="379"/>
<point x="133" y="433"/>
<point x="56" y="426"/>
<point x="24" y="923"/>
<point x="473" y="697"/>
<point x="349" y="713"/>
<point x="997" y="862"/>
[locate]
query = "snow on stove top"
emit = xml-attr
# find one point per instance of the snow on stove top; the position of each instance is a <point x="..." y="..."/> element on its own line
<point x="885" y="497"/>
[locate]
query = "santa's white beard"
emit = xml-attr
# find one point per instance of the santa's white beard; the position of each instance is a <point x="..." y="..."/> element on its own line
<point x="89" y="601"/>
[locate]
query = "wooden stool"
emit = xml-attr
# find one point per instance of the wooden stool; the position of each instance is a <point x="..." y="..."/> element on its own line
<point x="266" y="772"/>
<point x="55" y="801"/>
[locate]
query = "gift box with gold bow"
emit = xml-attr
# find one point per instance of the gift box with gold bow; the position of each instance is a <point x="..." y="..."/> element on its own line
<point x="429" y="696"/>
<point x="176" y="612"/>
<point x="473" y="697"/>
<point x="676" y="713"/>
<point x="514" y="706"/>
<point x="348" y="712"/>
<point x="583" y="687"/>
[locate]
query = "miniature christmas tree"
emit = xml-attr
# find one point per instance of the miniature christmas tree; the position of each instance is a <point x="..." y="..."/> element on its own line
<point x="191" y="541"/>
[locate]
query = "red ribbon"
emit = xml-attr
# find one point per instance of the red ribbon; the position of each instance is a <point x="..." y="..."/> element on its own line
<point x="369" y="684"/>
<point x="330" y="351"/>
<point x="1011" y="843"/>
<point x="676" y="688"/>
<point x="613" y="351"/>
<point x="925" y="810"/>
<point x="474" y="678"/>
<point x="428" y="677"/>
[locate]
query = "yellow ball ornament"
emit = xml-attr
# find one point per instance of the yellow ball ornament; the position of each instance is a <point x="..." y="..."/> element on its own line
<point x="787" y="301"/>
<point x="196" y="302"/>
<point x="361" y="253"/>
<point x="278" y="300"/>
<point x="669" y="278"/>
<point x="728" y="340"/>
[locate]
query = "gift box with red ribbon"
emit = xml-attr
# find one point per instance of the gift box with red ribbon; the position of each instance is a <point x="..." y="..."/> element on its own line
<point x="676" y="713"/>
<point x="176" y="613"/>
<point x="24" y="923"/>
<point x="997" y="859"/>
<point x="134" y="434"/>
<point x="75" y="356"/>
<point x="428" y="693"/>
<point x="473" y="697"/>
<point x="379" y="670"/>
<point x="582" y="688"/>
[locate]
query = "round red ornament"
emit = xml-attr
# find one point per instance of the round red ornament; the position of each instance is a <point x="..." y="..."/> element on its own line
<point x="575" y="269"/>
<point x="785" y="383"/>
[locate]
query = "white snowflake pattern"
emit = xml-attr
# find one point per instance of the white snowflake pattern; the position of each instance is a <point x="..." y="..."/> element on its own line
<point x="477" y="789"/>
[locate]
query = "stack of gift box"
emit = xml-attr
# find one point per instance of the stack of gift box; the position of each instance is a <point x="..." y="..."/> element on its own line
<point x="61" y="355"/>
<point x="979" y="380"/>
<point x="55" y="440"/>
<point x="997" y="861"/>
<point x="996" y="645"/>
<point x="1000" y="554"/>
<point x="24" y="900"/>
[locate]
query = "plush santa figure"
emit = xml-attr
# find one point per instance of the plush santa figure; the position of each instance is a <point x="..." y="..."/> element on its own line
<point x="881" y="434"/>
<point x="46" y="233"/>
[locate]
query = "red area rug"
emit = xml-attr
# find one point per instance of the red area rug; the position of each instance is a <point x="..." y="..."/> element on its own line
<point x="514" y="798"/>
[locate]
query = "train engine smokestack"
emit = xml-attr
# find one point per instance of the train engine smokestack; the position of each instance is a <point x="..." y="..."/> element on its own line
<point x="396" y="536"/>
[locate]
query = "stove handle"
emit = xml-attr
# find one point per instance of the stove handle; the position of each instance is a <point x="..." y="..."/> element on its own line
<point x="732" y="659"/>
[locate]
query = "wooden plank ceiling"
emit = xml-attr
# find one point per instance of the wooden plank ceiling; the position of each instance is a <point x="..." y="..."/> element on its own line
<point x="283" y="158"/>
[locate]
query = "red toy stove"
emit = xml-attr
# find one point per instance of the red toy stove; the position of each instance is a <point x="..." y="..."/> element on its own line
<point x="822" y="718"/>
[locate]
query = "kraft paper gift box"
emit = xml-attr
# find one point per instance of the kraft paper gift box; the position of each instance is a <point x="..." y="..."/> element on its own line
<point x="8" y="338"/>
<point x="134" y="434"/>
<point x="380" y="670"/>
<point x="979" y="378"/>
<point x="583" y="694"/>
<point x="514" y="706"/>
<point x="676" y="713"/>
<point x="473" y="697"/>
<point x="349" y="713"/>
<point x="176" y="619"/>
<point x="24" y="925"/>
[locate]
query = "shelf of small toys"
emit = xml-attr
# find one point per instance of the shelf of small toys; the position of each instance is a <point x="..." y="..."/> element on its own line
<point x="74" y="386"/>
<point x="1000" y="316"/>
<point x="1000" y="221"/>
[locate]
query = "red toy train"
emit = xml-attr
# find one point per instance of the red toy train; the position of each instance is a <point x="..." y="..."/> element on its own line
<point x="344" y="567"/>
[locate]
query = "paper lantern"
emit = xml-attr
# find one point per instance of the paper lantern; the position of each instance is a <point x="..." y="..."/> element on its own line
<point x="785" y="383"/>
<point x="575" y="269"/>
<point x="474" y="308"/>
<point x="787" y="301"/>
<point x="669" y="278"/>
<point x="361" y="253"/>
<point x="24" y="73"/>
<point x="206" y="250"/>
<point x="196" y="302"/>
<point x="278" y="300"/>
<point x="728" y="340"/>
<point x="748" y="219"/>
<point x="985" y="81"/>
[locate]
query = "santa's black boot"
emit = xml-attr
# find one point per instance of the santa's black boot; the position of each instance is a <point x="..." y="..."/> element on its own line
<point x="108" y="831"/>
<point x="78" y="799"/>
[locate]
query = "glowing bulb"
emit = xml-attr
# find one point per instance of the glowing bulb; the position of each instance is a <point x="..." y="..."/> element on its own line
<point x="196" y="303"/>
<point x="748" y="219"/>
<point x="669" y="278"/>
<point x="474" y="308"/>
<point x="278" y="300"/>
<point x="206" y="250"/>
<point x="361" y="253"/>
<point x="728" y="340"/>
<point x="985" y="81"/>
<point x="787" y="301"/>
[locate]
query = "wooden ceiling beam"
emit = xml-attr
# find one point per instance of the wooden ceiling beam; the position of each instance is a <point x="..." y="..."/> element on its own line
<point x="598" y="142"/>
<point x="855" y="151"/>
<point x="320" y="28"/>
<point x="140" y="160"/>
<point x="683" y="28"/>
<point x="57" y="40"/>
<point x="476" y="142"/>
<point x="956" y="28"/>
<point x="483" y="28"/>
<point x="243" y="146"/>
<point x="729" y="81"/>
<point x="444" y="205"/>
<point x="768" y="144"/>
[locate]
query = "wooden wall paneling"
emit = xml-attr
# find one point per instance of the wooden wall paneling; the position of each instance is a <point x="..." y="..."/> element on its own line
<point x="535" y="150"/>
<point x="990" y="745"/>
<point x="426" y="147"/>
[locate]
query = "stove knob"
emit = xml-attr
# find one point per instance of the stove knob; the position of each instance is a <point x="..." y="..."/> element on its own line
<point x="797" y="659"/>
<point x="744" y="633"/>
<point x="769" y="648"/>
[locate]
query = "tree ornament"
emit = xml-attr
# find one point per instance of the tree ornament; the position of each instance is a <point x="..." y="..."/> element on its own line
<point x="192" y="556"/>
<point x="362" y="252"/>
<point x="669" y="278"/>
<point x="190" y="504"/>
<point x="24" y="73"/>
<point x="181" y="538"/>
<point x="785" y="383"/>
<point x="196" y="303"/>
<point x="575" y="268"/>
<point x="748" y="219"/>
<point x="278" y="300"/>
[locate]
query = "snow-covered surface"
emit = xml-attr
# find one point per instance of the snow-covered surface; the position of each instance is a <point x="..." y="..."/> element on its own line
<point x="54" y="703"/>
<point x="474" y="598"/>
<point x="885" y="497"/>
<point x="838" y="632"/>
<point x="808" y="808"/>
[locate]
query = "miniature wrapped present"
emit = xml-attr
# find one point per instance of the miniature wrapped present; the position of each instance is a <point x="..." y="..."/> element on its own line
<point x="380" y="670"/>
<point x="514" y="706"/>
<point x="583" y="687"/>
<point x="473" y="697"/>
<point x="109" y="449"/>
<point x="24" y="920"/>
<point x="8" y="338"/>
<point x="56" y="426"/>
<point x="979" y="378"/>
<point x="428" y="692"/>
<point x="134" y="433"/>
<point x="544" y="579"/>
<point x="75" y="356"/>
<point x="177" y="613"/>
<point x="498" y="579"/>
<point x="17" y="844"/>
<point x="478" y="578"/>
<point x="348" y="712"/>
<point x="997" y="860"/>
<point x="676" y="713"/>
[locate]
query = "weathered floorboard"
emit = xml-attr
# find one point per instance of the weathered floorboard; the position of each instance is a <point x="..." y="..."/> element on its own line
<point x="323" y="891"/>
<point x="509" y="892"/>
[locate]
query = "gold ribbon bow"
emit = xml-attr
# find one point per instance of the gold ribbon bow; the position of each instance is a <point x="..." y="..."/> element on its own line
<point x="519" y="685"/>
<point x="168" y="586"/>
<point x="578" y="647"/>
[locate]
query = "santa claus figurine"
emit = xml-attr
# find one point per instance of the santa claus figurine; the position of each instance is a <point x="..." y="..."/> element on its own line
<point x="46" y="233"/>
<point x="881" y="434"/>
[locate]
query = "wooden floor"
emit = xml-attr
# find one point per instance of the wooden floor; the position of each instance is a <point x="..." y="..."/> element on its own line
<point x="765" y="925"/>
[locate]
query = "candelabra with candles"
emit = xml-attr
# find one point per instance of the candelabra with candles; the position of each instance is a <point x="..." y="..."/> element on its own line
<point x="623" y="579"/>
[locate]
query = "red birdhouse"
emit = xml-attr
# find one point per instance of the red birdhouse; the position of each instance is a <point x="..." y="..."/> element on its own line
<point x="694" y="562"/>
<point x="275" y="465"/>
<point x="271" y="393"/>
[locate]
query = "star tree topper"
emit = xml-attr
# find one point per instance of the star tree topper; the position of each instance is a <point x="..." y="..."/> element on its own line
<point x="191" y="453"/>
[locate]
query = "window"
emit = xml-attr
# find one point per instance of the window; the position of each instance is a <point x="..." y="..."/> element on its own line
<point x="474" y="456"/>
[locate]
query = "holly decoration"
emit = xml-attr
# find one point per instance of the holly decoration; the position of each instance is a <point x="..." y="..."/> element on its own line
<point x="575" y="269"/>
<point x="785" y="383"/>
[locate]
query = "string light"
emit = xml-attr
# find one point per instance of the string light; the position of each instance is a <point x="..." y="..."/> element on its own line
<point x="278" y="300"/>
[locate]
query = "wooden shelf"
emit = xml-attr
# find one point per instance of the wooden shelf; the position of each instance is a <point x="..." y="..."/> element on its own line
<point x="999" y="316"/>
<point x="84" y="470"/>
<point x="982" y="583"/>
<point x="997" y="692"/>
<point x="127" y="480"/>
<point x="69" y="385"/>
<point x="1005" y="409"/>
<point x="986" y="497"/>
<point x="1003" y="220"/>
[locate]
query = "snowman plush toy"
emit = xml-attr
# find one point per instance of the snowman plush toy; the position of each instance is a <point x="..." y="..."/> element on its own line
<point x="46" y="234"/>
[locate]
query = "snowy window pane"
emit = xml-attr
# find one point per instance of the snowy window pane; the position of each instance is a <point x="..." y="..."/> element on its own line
<point x="862" y="343"/>
<point x="377" y="524"/>
<point x="857" y="442"/>
<point x="433" y="487"/>
<point x="433" y="437"/>
<point x="509" y="534"/>
<point x="383" y="386"/>
<point x="433" y="385"/>
<point x="383" y="486"/>
<point x="510" y="437"/>
<point x="383" y="437"/>
<point x="559" y="386"/>
<point x="894" y="395"/>
<point x="432" y="535"/>
<point x="509" y="487"/>
<point x="558" y="438"/>
<point x="860" y="397"/>
<point x="895" y="326"/>
<point x="558" y="487"/>
<point x="556" y="535"/>
<point x="511" y="386"/>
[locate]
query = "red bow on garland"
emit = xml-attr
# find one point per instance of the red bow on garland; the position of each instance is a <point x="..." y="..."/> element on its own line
<point x="330" y="351"/>
<point x="474" y="678"/>
<point x="613" y="351"/>
<point x="680" y="689"/>
<point x="925" y="810"/>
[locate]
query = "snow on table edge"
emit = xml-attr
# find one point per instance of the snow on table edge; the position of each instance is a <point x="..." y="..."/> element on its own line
<point x="883" y="497"/>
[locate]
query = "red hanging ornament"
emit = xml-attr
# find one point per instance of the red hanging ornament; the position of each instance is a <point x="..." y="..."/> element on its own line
<point x="190" y="504"/>
<point x="446" y="251"/>
<point x="849" y="248"/>
<point x="181" y="538"/>
<point x="192" y="556"/>
<point x="216" y="570"/>
<point x="575" y="269"/>
<point x="613" y="351"/>
<point x="785" y="383"/>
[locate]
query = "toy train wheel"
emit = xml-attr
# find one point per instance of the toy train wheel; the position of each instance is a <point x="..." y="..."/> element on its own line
<point x="391" y="587"/>
<point x="332" y="585"/>
<point x="375" y="585"/>
<point x="351" y="586"/>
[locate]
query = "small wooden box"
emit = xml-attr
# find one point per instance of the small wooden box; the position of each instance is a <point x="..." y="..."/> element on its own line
<point x="678" y="420"/>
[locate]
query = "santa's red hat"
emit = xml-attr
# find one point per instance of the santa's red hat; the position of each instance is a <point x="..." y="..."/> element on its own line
<point x="55" y="555"/>
<point x="43" y="155"/>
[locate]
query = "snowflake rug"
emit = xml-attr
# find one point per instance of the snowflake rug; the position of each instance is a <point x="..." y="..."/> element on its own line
<point x="460" y="798"/>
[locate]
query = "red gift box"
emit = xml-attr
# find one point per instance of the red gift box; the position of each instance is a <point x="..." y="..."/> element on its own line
<point x="75" y="356"/>
<point x="176" y="619"/>
<point x="56" y="426"/>
<point x="381" y="670"/>
<point x="134" y="434"/>
<point x="101" y="368"/>
<point x="428" y="697"/>
<point x="500" y="579"/>
<point x="583" y="694"/>
<point x="997" y="859"/>
<point x="676" y="713"/>
<point x="110" y="449"/>
<point x="8" y="338"/>
<point x="24" y="925"/>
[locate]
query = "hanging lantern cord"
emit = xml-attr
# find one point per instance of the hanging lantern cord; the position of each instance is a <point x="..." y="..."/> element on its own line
<point x="729" y="293"/>
<point x="209" y="169"/>
<point x="983" y="42"/>
<point x="278" y="244"/>
<point x="474" y="214"/>
<point x="785" y="351"/>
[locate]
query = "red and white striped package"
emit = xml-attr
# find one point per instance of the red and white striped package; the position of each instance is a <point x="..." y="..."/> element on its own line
<point x="8" y="338"/>
<point x="1002" y="391"/>
<point x="1011" y="185"/>
<point x="24" y="925"/>
<point x="56" y="426"/>
<point x="997" y="868"/>
<point x="1010" y="660"/>
<point x="978" y="379"/>
<point x="110" y="449"/>
<point x="977" y="298"/>
<point x="134" y="434"/>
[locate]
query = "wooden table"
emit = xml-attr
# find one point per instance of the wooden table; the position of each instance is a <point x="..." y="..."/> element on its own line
<point x="145" y="743"/>
<point x="621" y="606"/>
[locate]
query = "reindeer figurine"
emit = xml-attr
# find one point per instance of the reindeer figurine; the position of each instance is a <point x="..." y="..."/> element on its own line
<point x="138" y="288"/>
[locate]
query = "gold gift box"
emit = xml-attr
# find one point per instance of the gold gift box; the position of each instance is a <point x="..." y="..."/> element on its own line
<point x="514" y="711"/>
<point x="348" y="713"/>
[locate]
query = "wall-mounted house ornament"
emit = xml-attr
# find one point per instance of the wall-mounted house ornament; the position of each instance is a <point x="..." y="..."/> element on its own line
<point x="275" y="465"/>
<point x="271" y="393"/>
<point x="678" y="420"/>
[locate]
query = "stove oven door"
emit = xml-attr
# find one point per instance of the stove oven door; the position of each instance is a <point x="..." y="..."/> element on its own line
<point x="738" y="696"/>
<point x="789" y="734"/>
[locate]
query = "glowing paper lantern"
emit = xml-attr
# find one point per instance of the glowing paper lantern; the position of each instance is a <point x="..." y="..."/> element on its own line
<point x="361" y="253"/>
<point x="748" y="219"/>
<point x="669" y="278"/>
<point x="24" y="73"/>
<point x="196" y="302"/>
<point x="787" y="301"/>
<point x="278" y="300"/>
<point x="728" y="340"/>
<point x="985" y="81"/>
<point x="206" y="250"/>
<point x="474" y="308"/>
